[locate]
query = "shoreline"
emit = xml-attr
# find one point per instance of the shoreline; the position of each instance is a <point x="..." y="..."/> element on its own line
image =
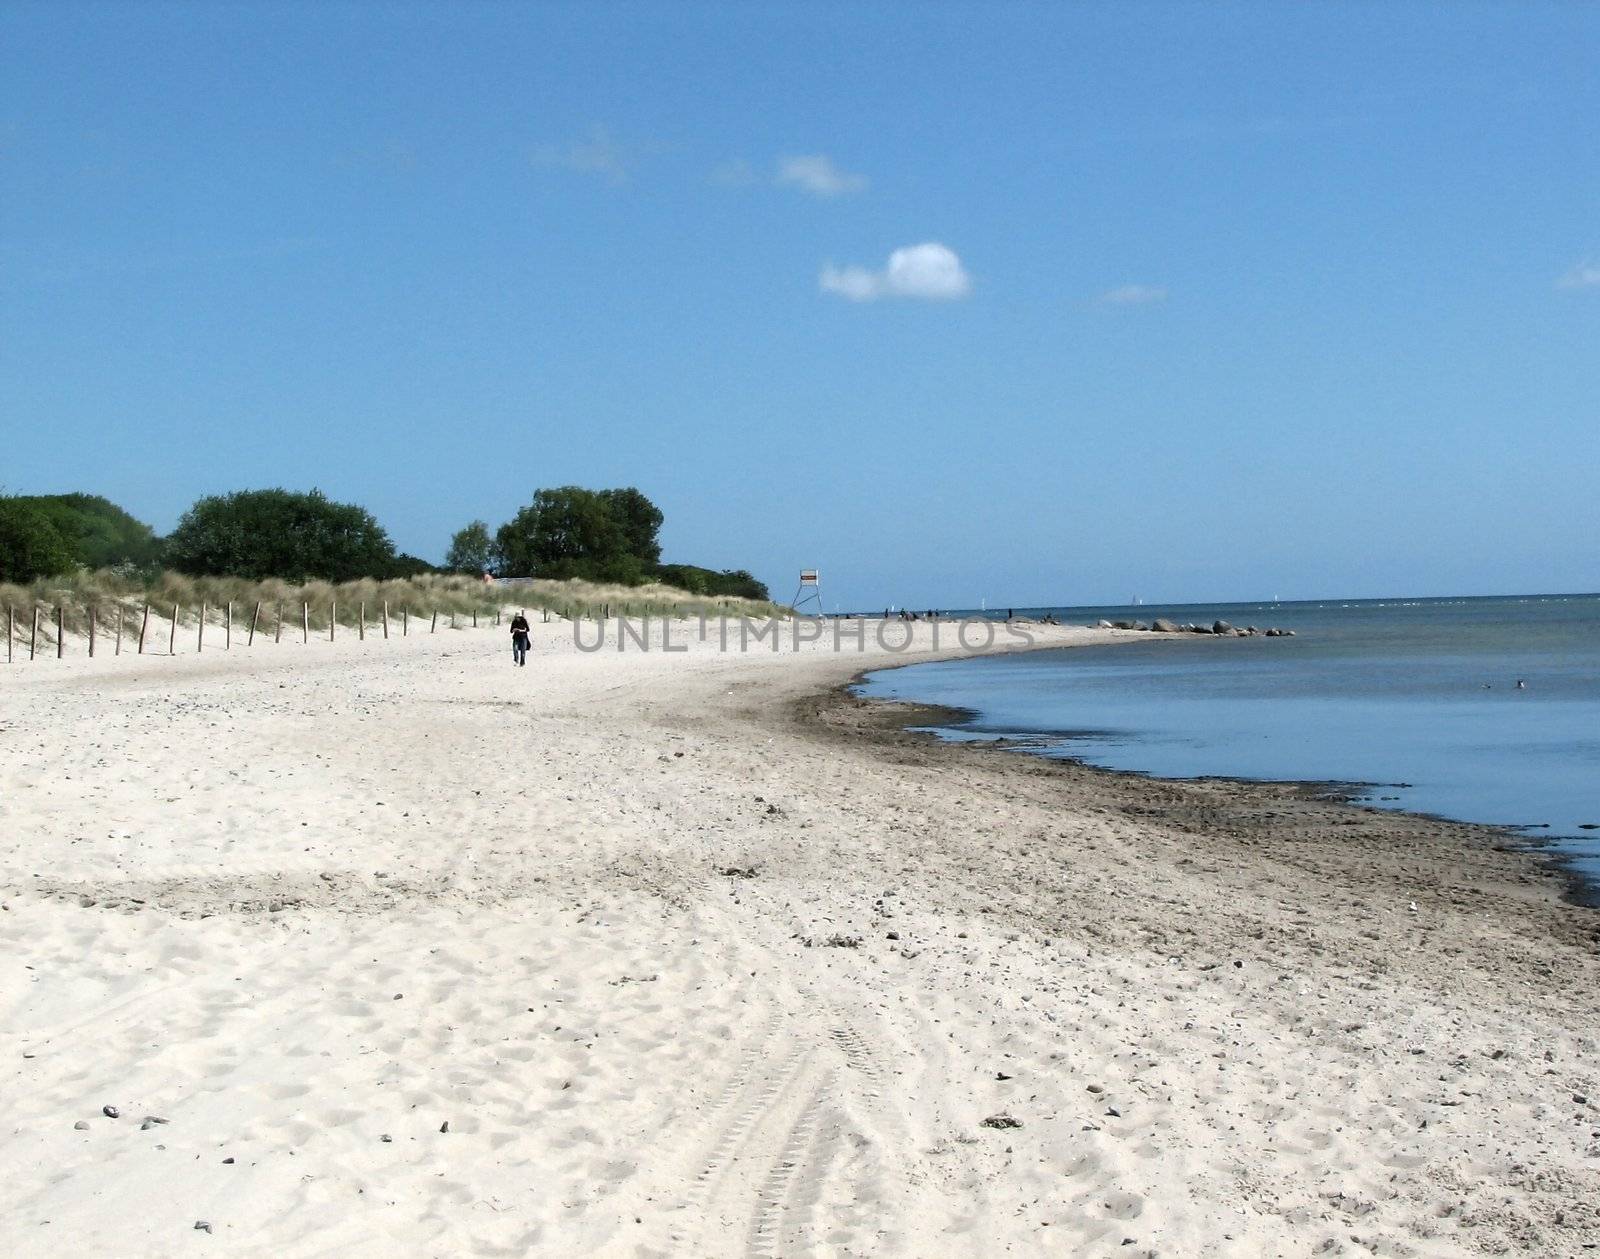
<point x="1579" y="891"/>
<point x="1507" y="868"/>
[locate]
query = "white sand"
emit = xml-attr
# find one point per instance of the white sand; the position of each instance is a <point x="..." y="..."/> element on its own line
<point x="300" y="899"/>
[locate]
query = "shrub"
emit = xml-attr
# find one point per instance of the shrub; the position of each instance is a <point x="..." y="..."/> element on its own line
<point x="729" y="583"/>
<point x="97" y="532"/>
<point x="279" y="533"/>
<point x="31" y="546"/>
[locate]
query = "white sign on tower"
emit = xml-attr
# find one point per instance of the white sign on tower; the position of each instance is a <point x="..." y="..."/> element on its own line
<point x="808" y="580"/>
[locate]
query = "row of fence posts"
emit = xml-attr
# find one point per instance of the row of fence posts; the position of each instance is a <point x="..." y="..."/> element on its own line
<point x="601" y="612"/>
<point x="227" y="626"/>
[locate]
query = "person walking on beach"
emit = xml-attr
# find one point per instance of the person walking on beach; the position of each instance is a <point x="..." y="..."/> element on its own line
<point x="519" y="639"/>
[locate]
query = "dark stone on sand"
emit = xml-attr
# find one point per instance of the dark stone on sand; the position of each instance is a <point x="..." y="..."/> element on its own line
<point x="202" y="1226"/>
<point x="445" y="1126"/>
<point x="1125" y="624"/>
<point x="81" y="1125"/>
<point x="111" y="1112"/>
<point x="1199" y="629"/>
<point x="1221" y="627"/>
<point x="1001" y="1121"/>
<point x="1163" y="626"/>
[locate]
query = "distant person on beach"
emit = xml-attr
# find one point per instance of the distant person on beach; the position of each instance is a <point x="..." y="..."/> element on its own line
<point x="519" y="639"/>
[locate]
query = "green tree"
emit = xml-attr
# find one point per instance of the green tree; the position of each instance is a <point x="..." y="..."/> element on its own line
<point x="30" y="546"/>
<point x="280" y="533"/>
<point x="568" y="532"/>
<point x="640" y="520"/>
<point x="98" y="532"/>
<point x="471" y="550"/>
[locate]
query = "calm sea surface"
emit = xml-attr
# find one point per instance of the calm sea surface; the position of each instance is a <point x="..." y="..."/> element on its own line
<point x="1417" y="699"/>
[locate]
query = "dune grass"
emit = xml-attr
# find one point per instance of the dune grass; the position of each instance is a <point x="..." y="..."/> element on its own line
<point x="455" y="600"/>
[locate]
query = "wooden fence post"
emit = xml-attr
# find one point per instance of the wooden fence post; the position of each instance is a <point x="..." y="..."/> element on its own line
<point x="121" y="608"/>
<point x="33" y="642"/>
<point x="277" y="630"/>
<point x="11" y="630"/>
<point x="91" y="631"/>
<point x="333" y="617"/>
<point x="144" y="624"/>
<point x="305" y="621"/>
<point x="227" y="630"/>
<point x="61" y="632"/>
<point x="474" y="618"/>
<point x="434" y="629"/>
<point x="200" y="634"/>
<point x="254" y="616"/>
<point x="385" y="620"/>
<point x="172" y="637"/>
<point x="361" y="633"/>
<point x="405" y="621"/>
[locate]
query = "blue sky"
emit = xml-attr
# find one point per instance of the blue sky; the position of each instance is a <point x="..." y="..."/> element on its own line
<point x="1037" y="303"/>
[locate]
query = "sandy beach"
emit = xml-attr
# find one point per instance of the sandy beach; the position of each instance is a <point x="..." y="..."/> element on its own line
<point x="390" y="949"/>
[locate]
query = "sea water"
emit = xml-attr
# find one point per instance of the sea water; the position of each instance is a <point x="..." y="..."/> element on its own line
<point x="1417" y="700"/>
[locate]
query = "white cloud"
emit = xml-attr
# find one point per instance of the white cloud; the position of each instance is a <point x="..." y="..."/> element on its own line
<point x="1134" y="295"/>
<point x="597" y="154"/>
<point x="819" y="176"/>
<point x="1586" y="275"/>
<point x="928" y="272"/>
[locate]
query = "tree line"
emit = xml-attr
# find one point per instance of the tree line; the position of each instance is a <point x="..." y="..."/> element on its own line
<point x="598" y="535"/>
<point x="566" y="532"/>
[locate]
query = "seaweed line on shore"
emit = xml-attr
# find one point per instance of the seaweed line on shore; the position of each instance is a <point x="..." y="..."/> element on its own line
<point x="904" y="724"/>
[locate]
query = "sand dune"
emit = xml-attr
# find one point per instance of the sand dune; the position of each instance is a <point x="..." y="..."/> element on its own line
<point x="392" y="949"/>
